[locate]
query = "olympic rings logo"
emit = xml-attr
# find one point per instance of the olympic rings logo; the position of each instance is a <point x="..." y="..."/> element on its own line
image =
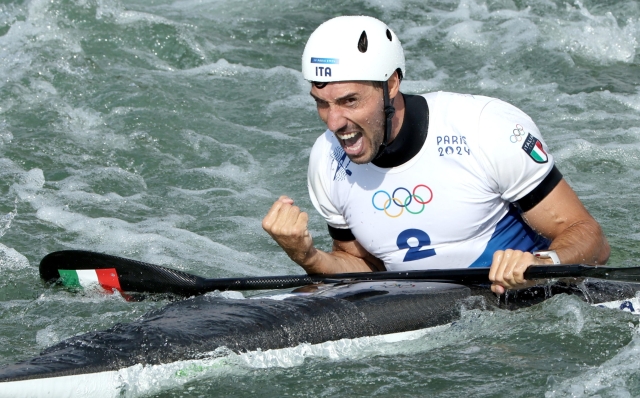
<point x="419" y="197"/>
<point x="518" y="134"/>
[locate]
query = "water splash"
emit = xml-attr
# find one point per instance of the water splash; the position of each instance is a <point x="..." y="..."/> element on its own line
<point x="614" y="378"/>
<point x="5" y="221"/>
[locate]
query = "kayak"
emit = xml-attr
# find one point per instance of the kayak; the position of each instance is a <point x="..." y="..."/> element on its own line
<point x="207" y="327"/>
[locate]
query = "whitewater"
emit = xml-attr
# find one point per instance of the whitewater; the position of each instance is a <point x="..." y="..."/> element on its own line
<point x="164" y="130"/>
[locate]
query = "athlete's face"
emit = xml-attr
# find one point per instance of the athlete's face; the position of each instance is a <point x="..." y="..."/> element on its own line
<point x="354" y="112"/>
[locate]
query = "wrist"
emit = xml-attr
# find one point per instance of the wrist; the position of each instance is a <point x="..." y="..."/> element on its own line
<point x="310" y="260"/>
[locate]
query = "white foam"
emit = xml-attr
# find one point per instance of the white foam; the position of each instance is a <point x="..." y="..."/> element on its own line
<point x="83" y="296"/>
<point x="209" y="148"/>
<point x="630" y="101"/>
<point x="226" y="171"/>
<point x="158" y="240"/>
<point x="32" y="182"/>
<point x="598" y="37"/>
<point x="385" y="5"/>
<point x="614" y="378"/>
<point x="520" y="30"/>
<point x="572" y="315"/>
<point x="424" y="86"/>
<point x="27" y="35"/>
<point x="117" y="14"/>
<point x="5" y="137"/>
<point x="272" y="134"/>
<point x="126" y="182"/>
<point x="47" y="337"/>
<point x="294" y="103"/>
<point x="127" y="17"/>
<point x="155" y="240"/>
<point x="88" y="128"/>
<point x="472" y="24"/>
<point x="5" y="220"/>
<point x="227" y="294"/>
<point x="467" y="34"/>
<point x="201" y="192"/>
<point x="12" y="259"/>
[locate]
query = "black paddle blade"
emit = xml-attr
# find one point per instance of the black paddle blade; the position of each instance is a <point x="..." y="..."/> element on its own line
<point x="139" y="277"/>
<point x="134" y="276"/>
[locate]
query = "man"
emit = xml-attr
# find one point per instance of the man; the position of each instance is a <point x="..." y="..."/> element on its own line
<point x="439" y="180"/>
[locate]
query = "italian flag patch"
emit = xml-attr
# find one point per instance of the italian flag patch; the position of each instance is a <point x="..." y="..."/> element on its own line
<point x="107" y="278"/>
<point x="533" y="147"/>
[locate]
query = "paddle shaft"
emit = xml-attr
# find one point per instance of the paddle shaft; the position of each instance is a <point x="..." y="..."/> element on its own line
<point x="459" y="275"/>
<point x="136" y="276"/>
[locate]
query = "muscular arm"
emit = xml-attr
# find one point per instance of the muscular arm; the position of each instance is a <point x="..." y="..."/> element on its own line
<point x="575" y="235"/>
<point x="576" y="238"/>
<point x="287" y="225"/>
<point x="345" y="257"/>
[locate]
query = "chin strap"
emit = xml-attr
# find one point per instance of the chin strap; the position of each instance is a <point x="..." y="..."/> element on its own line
<point x="389" y="111"/>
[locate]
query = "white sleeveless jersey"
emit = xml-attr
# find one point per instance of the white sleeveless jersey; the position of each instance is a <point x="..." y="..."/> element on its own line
<point x="450" y="205"/>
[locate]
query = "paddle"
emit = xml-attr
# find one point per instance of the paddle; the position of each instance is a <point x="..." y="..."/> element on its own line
<point x="136" y="276"/>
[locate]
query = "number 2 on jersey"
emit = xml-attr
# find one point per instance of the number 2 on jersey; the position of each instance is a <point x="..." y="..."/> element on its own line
<point x="415" y="252"/>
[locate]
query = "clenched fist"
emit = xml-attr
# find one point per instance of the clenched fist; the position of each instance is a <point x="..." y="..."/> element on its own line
<point x="287" y="225"/>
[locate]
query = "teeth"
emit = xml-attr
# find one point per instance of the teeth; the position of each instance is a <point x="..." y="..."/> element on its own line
<point x="346" y="136"/>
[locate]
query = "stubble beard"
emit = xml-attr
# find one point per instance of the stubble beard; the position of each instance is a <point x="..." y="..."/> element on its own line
<point x="376" y="141"/>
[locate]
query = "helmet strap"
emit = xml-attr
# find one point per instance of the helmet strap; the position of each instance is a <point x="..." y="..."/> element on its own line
<point x="389" y="111"/>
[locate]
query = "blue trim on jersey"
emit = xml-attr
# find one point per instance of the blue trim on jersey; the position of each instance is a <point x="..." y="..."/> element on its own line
<point x="512" y="232"/>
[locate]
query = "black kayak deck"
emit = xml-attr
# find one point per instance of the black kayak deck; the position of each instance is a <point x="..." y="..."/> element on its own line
<point x="191" y="328"/>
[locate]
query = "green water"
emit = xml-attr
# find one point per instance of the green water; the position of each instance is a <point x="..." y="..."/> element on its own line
<point x="163" y="131"/>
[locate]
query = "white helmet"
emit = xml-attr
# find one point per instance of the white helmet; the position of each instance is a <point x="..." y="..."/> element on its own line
<point x="352" y="48"/>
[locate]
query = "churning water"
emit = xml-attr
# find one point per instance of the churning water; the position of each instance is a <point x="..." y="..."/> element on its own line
<point x="164" y="130"/>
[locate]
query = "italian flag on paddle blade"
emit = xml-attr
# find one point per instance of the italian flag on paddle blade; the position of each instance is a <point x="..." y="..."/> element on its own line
<point x="107" y="278"/>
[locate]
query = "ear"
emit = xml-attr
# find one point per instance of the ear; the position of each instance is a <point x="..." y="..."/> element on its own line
<point x="394" y="85"/>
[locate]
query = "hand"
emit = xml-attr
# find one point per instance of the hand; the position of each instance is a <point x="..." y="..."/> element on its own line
<point x="287" y="225"/>
<point x="508" y="267"/>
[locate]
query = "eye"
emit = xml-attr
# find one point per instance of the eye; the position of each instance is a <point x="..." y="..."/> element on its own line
<point x="320" y="103"/>
<point x="350" y="101"/>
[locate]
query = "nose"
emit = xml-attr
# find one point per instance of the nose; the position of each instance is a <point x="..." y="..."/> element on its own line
<point x="335" y="119"/>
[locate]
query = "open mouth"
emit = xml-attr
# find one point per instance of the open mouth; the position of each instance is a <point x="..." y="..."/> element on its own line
<point x="352" y="142"/>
